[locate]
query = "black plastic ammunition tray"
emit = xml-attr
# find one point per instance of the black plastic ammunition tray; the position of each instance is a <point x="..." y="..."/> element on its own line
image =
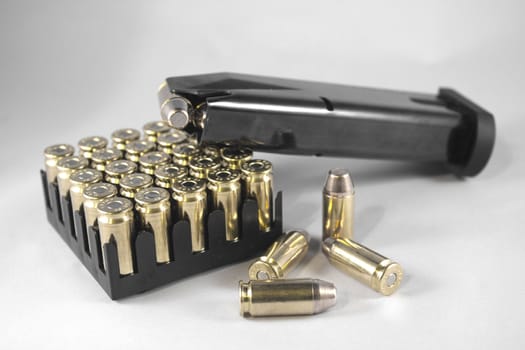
<point x="148" y="274"/>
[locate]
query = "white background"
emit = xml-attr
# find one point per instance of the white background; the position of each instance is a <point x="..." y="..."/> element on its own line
<point x="75" y="68"/>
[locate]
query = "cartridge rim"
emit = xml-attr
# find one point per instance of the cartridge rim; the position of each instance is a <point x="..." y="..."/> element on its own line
<point x="100" y="190"/>
<point x="59" y="151"/>
<point x="85" y="176"/>
<point x="185" y="149"/>
<point x="256" y="166"/>
<point x="136" y="181"/>
<point x="235" y="153"/>
<point x="388" y="277"/>
<point x="92" y="143"/>
<point x="189" y="184"/>
<point x="139" y="146"/>
<point x="156" y="127"/>
<point x="72" y="163"/>
<point x="265" y="269"/>
<point x="115" y="205"/>
<point x="204" y="162"/>
<point x="153" y="159"/>
<point x="152" y="195"/>
<point x="224" y="175"/>
<point x="106" y="155"/>
<point x="125" y="135"/>
<point x="172" y="137"/>
<point x="121" y="167"/>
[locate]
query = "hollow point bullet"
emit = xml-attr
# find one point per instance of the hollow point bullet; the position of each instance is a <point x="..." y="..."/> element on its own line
<point x="338" y="205"/>
<point x="281" y="257"/>
<point x="371" y="268"/>
<point x="52" y="155"/>
<point x="257" y="180"/>
<point x="225" y="188"/>
<point x="90" y="144"/>
<point x="286" y="297"/>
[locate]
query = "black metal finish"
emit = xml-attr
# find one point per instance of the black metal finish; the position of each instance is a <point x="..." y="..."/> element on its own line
<point x="148" y="274"/>
<point x="311" y="118"/>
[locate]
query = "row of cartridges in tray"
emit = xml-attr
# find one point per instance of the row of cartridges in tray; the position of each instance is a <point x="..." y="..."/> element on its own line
<point x="162" y="177"/>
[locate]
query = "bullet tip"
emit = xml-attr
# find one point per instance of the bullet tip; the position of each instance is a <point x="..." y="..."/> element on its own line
<point x="339" y="181"/>
<point x="327" y="296"/>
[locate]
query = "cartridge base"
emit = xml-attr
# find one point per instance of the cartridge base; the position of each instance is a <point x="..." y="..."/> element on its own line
<point x="148" y="274"/>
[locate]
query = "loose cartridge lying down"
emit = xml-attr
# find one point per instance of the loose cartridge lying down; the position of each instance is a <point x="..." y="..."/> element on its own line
<point x="310" y="118"/>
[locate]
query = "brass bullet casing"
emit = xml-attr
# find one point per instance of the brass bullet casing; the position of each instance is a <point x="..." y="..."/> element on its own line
<point x="102" y="157"/>
<point x="115" y="219"/>
<point x="117" y="169"/>
<point x="122" y="137"/>
<point x="257" y="179"/>
<point x="190" y="194"/>
<point x="166" y="175"/>
<point x="167" y="140"/>
<point x="94" y="194"/>
<point x="79" y="180"/>
<point x="338" y="205"/>
<point x="66" y="166"/>
<point x="52" y="155"/>
<point x="135" y="149"/>
<point x="132" y="183"/>
<point x="234" y="156"/>
<point x="148" y="162"/>
<point x="200" y="166"/>
<point x="211" y="150"/>
<point x="281" y="257"/>
<point x="184" y="152"/>
<point x="286" y="297"/>
<point x="154" y="209"/>
<point x="153" y="129"/>
<point x="225" y="187"/>
<point x="376" y="271"/>
<point x="90" y="144"/>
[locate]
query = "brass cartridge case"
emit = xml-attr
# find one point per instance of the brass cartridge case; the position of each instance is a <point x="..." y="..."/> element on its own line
<point x="190" y="195"/>
<point x="153" y="129"/>
<point x="154" y="209"/>
<point x="94" y="194"/>
<point x="79" y="180"/>
<point x="234" y="156"/>
<point x="115" y="219"/>
<point x="66" y="166"/>
<point x="52" y="155"/>
<point x="211" y="150"/>
<point x="338" y="205"/>
<point x="148" y="162"/>
<point x="371" y="268"/>
<point x="122" y="137"/>
<point x="117" y="169"/>
<point x="281" y="257"/>
<point x="132" y="183"/>
<point x="101" y="158"/>
<point x="286" y="297"/>
<point x="257" y="180"/>
<point x="168" y="140"/>
<point x="225" y="187"/>
<point x="90" y="144"/>
<point x="201" y="165"/>
<point x="135" y="149"/>
<point x="166" y="175"/>
<point x="184" y="152"/>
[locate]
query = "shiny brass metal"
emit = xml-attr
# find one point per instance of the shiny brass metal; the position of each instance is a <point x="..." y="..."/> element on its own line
<point x="79" y="180"/>
<point x="135" y="149"/>
<point x="153" y="129"/>
<point x="65" y="167"/>
<point x="94" y="194"/>
<point x="150" y="161"/>
<point x="234" y="156"/>
<point x="257" y="179"/>
<point x="175" y="109"/>
<point x="90" y="144"/>
<point x="154" y="209"/>
<point x="117" y="169"/>
<point x="184" y="152"/>
<point x="211" y="150"/>
<point x="122" y="137"/>
<point x="190" y="194"/>
<point x="286" y="297"/>
<point x="200" y="166"/>
<point x="338" y="205"/>
<point x="281" y="257"/>
<point x="225" y="187"/>
<point x="371" y="268"/>
<point x="101" y="158"/>
<point x="132" y="183"/>
<point x="115" y="220"/>
<point x="167" y="140"/>
<point x="166" y="175"/>
<point x="52" y="155"/>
